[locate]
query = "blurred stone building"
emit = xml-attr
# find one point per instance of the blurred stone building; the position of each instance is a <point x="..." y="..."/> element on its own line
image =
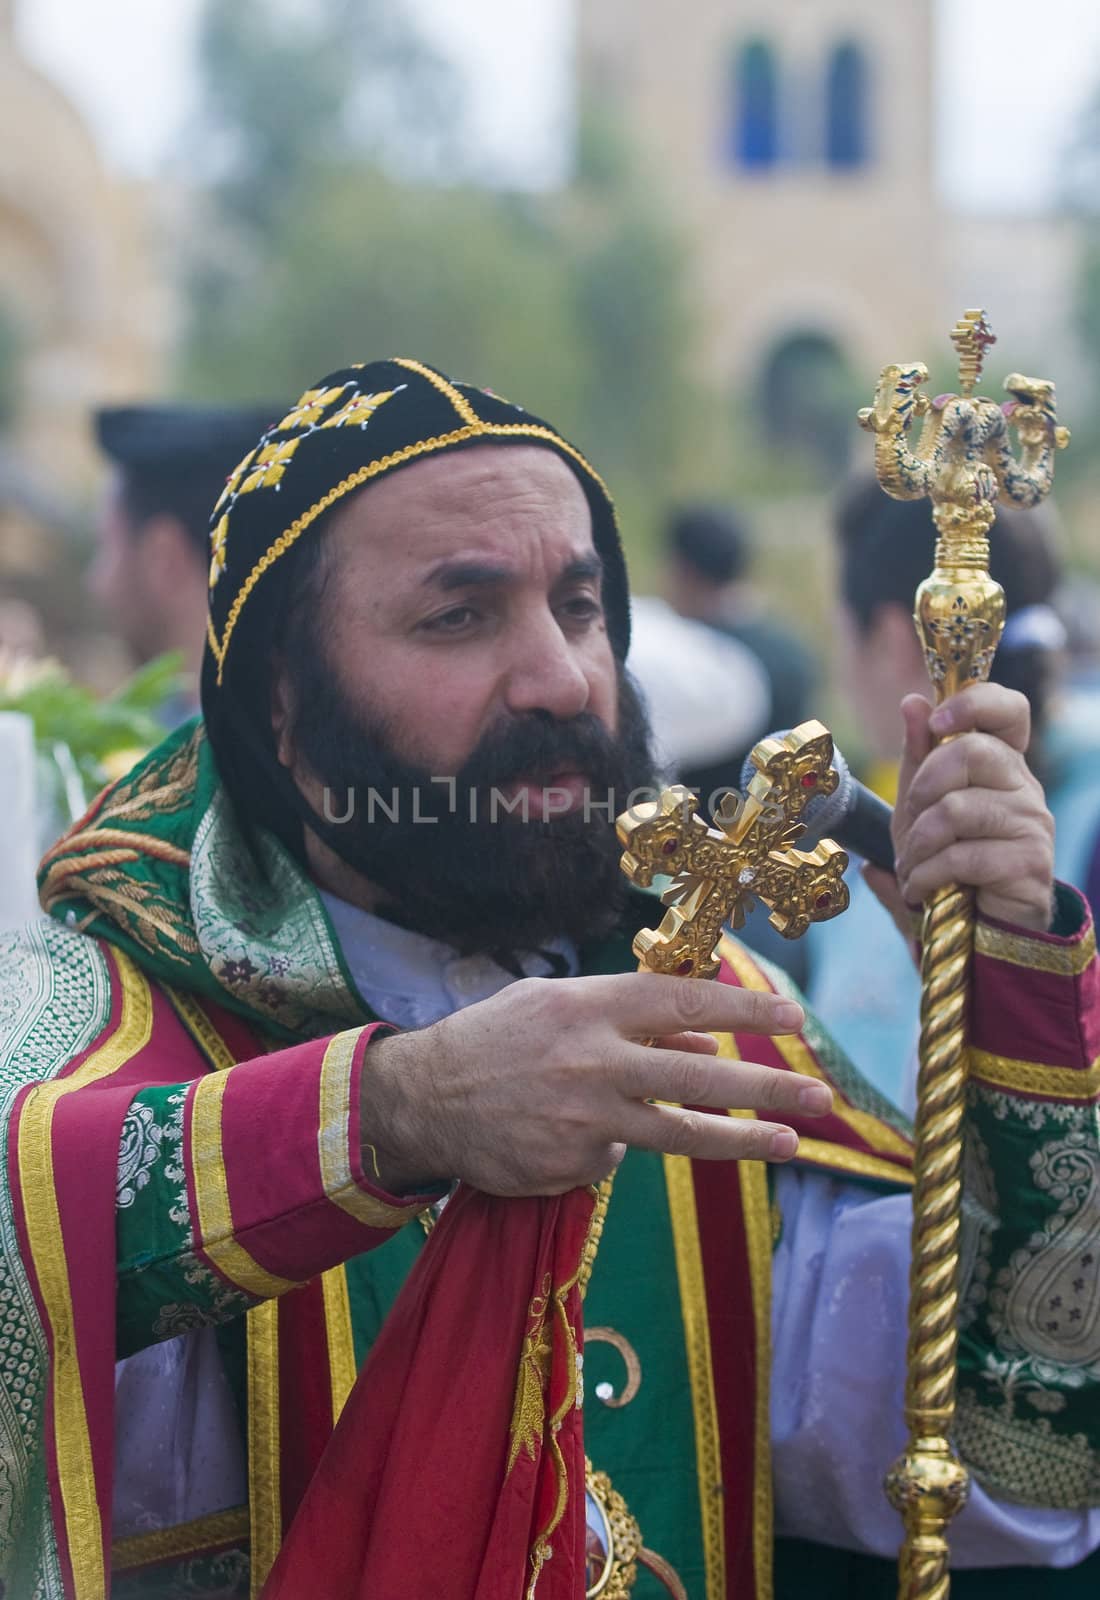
<point x="80" y="323"/>
<point x="794" y="140"/>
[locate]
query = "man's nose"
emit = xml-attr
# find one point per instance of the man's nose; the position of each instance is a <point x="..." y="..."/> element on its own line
<point x="545" y="673"/>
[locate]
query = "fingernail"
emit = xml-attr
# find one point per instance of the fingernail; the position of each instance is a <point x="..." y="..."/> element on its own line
<point x="783" y="1145"/>
<point x="816" y="1098"/>
<point x="942" y="720"/>
<point x="789" y="1016"/>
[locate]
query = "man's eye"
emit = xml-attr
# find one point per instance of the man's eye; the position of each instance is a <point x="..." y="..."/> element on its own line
<point x="452" y="621"/>
<point x="583" y="608"/>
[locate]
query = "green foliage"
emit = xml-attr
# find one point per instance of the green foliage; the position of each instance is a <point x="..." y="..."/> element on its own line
<point x="77" y="732"/>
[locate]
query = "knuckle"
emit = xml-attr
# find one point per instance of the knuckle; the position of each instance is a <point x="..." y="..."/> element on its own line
<point x="694" y="1079"/>
<point x="686" y="1133"/>
<point x="689" y="1000"/>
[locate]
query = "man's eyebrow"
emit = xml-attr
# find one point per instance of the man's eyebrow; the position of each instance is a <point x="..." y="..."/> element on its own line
<point x="580" y="569"/>
<point x="466" y="575"/>
<point x="450" y="575"/>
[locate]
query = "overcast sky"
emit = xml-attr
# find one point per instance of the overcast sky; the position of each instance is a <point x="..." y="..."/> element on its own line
<point x="1011" y="78"/>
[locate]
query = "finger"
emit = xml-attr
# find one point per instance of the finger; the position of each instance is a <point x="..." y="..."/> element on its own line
<point x="703" y="1137"/>
<point x="973" y="761"/>
<point x="916" y="740"/>
<point x="981" y="863"/>
<point x="698" y="1080"/>
<point x="704" y="1044"/>
<point x="648" y="1005"/>
<point x="972" y="814"/>
<point x="985" y="708"/>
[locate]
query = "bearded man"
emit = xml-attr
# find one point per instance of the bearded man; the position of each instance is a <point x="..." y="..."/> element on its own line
<point x="307" y="968"/>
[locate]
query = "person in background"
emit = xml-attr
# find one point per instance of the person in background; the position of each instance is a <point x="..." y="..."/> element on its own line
<point x="863" y="981"/>
<point x="151" y="571"/>
<point x="705" y="578"/>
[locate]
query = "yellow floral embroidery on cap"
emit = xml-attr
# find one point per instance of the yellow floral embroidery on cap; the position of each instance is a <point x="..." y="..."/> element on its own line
<point x="359" y="410"/>
<point x="234" y="479"/>
<point x="218" y="536"/>
<point x="310" y="408"/>
<point x="270" y="465"/>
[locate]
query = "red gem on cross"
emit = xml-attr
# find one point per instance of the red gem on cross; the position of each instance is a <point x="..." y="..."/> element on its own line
<point x="670" y="847"/>
<point x="823" y="901"/>
<point x="810" y="780"/>
<point x="685" y="967"/>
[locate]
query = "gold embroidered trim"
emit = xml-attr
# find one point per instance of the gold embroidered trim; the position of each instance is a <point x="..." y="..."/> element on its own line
<point x="756" y="1206"/>
<point x="595" y="1232"/>
<point x="338" y="1337"/>
<point x="800" y="1058"/>
<point x="264" y="1489"/>
<point x="185" y="1539"/>
<point x="76" y="1478"/>
<point x="1033" y="1077"/>
<point x="437" y="381"/>
<point x="689" y="1271"/>
<point x="214" y="1216"/>
<point x="839" y="1159"/>
<point x="1035" y="954"/>
<point x="334" y="1113"/>
<point x="540" y="1551"/>
<point x="374" y="469"/>
<point x="201" y="1029"/>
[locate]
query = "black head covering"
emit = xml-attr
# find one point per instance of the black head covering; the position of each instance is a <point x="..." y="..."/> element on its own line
<point x="176" y="458"/>
<point x="353" y="427"/>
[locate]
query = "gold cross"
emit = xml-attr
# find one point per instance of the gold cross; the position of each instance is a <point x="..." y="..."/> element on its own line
<point x="717" y="872"/>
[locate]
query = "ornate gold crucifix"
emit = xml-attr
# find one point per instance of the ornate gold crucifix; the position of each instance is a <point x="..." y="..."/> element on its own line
<point x="750" y="855"/>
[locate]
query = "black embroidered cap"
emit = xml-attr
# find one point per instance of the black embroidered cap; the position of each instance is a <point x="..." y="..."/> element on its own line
<point x="353" y="427"/>
<point x="356" y="426"/>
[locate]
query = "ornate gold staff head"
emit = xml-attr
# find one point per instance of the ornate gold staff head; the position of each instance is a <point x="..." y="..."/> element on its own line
<point x="963" y="462"/>
<point x="718" y="872"/>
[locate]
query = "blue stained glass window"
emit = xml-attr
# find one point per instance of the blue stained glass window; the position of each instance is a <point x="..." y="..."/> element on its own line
<point x="754" y="135"/>
<point x="846" y="108"/>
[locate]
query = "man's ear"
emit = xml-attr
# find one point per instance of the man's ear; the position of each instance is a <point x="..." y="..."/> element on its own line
<point x="282" y="713"/>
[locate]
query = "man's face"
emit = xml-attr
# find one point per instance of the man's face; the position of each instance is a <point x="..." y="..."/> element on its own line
<point x="464" y="591"/>
<point x="458" y="634"/>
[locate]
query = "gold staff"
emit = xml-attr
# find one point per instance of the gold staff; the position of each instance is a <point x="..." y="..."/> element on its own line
<point x="963" y="463"/>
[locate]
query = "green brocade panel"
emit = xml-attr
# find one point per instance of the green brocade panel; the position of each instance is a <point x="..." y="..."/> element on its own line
<point x="647" y="1447"/>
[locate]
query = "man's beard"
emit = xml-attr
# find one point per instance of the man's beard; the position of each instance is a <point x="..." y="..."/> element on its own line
<point x="450" y="860"/>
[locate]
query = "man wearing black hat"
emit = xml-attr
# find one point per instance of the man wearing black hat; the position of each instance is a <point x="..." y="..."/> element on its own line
<point x="152" y="560"/>
<point x="357" y="944"/>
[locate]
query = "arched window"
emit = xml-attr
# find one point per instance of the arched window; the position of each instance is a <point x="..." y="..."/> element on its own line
<point x="846" y="108"/>
<point x="754" y="134"/>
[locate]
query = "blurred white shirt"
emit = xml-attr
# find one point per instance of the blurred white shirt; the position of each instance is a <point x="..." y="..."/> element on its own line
<point x="707" y="694"/>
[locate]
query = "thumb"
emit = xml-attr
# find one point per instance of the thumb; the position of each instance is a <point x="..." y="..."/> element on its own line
<point x="917" y="742"/>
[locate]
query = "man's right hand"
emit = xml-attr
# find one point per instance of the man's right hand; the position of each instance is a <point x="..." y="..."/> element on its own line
<point x="541" y="1088"/>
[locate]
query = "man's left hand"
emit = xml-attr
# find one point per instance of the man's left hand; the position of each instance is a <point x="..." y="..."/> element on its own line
<point x="970" y="811"/>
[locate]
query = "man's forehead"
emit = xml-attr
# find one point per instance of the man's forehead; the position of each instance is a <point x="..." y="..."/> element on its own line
<point x="495" y="495"/>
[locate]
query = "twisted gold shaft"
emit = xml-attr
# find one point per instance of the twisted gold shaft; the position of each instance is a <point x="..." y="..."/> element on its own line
<point x="929" y="1484"/>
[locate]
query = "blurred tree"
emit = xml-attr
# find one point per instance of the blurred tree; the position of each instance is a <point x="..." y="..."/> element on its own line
<point x="343" y="223"/>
